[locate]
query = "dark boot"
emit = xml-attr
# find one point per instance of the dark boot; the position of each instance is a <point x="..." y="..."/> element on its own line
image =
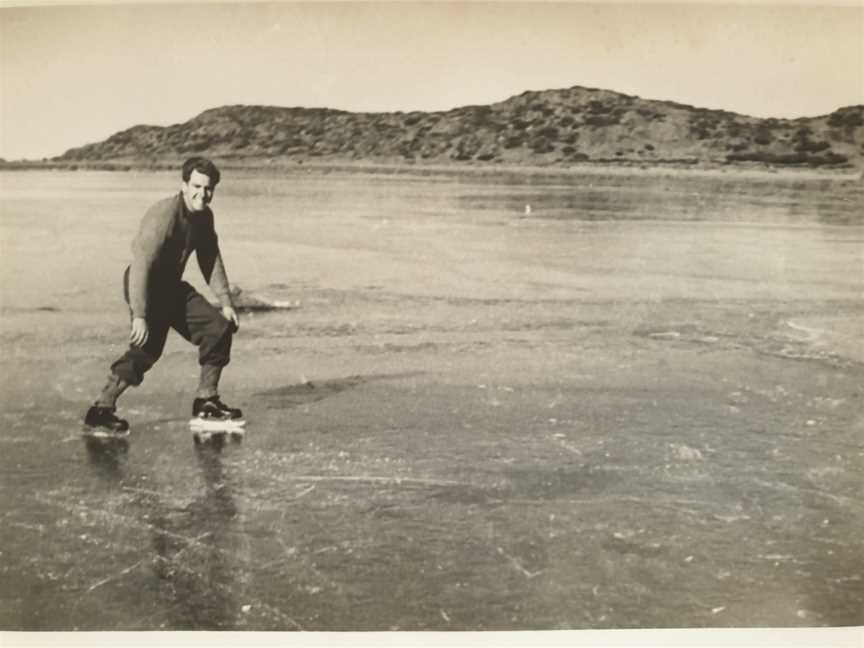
<point x="99" y="417"/>
<point x="213" y="409"/>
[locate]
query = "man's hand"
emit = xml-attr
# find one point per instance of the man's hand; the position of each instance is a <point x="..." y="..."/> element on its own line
<point x="232" y="316"/>
<point x="140" y="332"/>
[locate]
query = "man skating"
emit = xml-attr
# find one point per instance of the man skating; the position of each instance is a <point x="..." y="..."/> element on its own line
<point x="159" y="299"/>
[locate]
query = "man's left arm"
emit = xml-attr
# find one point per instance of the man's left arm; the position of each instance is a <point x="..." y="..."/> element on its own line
<point x="213" y="269"/>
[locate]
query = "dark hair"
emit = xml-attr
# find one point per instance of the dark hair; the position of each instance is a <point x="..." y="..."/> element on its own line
<point x="201" y="165"/>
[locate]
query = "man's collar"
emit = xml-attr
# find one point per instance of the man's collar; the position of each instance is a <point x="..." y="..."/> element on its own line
<point x="184" y="210"/>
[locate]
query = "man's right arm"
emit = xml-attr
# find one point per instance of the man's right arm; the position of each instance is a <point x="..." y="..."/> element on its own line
<point x="145" y="250"/>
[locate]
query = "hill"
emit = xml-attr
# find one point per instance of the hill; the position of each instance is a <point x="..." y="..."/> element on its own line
<point x="551" y="127"/>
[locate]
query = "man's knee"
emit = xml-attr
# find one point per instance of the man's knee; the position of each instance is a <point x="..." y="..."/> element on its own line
<point x="215" y="344"/>
<point x="218" y="331"/>
<point x="133" y="365"/>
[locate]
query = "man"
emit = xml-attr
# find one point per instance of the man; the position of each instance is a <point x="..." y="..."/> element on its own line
<point x="159" y="299"/>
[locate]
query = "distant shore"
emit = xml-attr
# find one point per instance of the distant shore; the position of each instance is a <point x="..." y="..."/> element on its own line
<point x="397" y="167"/>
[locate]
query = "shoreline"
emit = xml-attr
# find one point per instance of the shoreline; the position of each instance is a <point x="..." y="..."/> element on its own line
<point x="695" y="169"/>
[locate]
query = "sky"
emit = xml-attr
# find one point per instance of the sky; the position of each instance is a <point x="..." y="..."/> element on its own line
<point x="75" y="74"/>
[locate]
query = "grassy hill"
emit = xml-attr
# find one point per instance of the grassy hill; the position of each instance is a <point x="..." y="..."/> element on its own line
<point x="552" y="127"/>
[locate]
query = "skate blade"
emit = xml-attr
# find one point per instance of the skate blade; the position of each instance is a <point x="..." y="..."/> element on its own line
<point x="212" y="425"/>
<point x="101" y="433"/>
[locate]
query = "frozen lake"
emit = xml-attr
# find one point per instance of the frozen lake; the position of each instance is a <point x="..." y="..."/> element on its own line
<point x="635" y="404"/>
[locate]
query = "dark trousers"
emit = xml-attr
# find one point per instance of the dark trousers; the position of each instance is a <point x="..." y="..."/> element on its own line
<point x="185" y="310"/>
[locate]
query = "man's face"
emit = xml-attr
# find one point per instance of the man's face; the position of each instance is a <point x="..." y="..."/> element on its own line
<point x="198" y="192"/>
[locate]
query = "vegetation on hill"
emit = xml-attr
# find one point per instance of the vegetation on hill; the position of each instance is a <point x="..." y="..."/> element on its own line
<point x="552" y="127"/>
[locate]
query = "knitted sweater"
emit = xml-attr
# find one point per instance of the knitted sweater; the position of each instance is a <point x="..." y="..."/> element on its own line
<point x="169" y="233"/>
